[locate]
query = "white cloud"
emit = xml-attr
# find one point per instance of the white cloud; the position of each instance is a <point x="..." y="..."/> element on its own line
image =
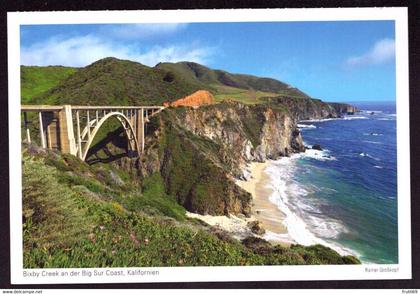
<point x="81" y="51"/>
<point x="382" y="52"/>
<point x="144" y="30"/>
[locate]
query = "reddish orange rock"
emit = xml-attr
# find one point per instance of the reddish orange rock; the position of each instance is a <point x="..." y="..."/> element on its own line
<point x="196" y="99"/>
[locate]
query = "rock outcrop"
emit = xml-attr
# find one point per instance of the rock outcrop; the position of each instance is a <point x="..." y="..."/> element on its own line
<point x="201" y="97"/>
<point x="305" y="108"/>
<point x="199" y="152"/>
<point x="343" y="108"/>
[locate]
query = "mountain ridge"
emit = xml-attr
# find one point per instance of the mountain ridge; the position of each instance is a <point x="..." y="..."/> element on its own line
<point x="111" y="80"/>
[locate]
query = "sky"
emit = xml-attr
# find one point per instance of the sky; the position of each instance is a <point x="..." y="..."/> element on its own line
<point x="329" y="60"/>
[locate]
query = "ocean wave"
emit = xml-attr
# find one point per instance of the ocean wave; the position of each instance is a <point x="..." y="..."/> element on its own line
<point x="373" y="142"/>
<point x="303" y="126"/>
<point x="289" y="198"/>
<point x="352" y="117"/>
<point x="317" y="154"/>
<point x="370" y="111"/>
<point x="378" y="166"/>
<point x="368" y="155"/>
<point x="385" y="118"/>
<point x="373" y="134"/>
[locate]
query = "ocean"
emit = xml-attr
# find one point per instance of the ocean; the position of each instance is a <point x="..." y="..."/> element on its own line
<point x="344" y="196"/>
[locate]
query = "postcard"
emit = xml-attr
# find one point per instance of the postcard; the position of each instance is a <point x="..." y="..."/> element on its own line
<point x="209" y="145"/>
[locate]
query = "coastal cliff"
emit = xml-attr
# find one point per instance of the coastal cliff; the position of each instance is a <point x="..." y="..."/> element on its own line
<point x="305" y="109"/>
<point x="343" y="108"/>
<point x="212" y="145"/>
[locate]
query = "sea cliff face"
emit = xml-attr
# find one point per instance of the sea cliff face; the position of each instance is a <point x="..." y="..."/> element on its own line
<point x="343" y="108"/>
<point x="304" y="109"/>
<point x="199" y="152"/>
<point x="250" y="132"/>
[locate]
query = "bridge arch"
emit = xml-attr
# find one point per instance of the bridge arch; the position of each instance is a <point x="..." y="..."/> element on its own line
<point x="125" y="123"/>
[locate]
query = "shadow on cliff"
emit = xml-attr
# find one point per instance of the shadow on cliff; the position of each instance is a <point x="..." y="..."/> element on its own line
<point x="111" y="148"/>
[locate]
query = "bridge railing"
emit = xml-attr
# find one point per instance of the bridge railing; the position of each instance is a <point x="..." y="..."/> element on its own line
<point x="72" y="128"/>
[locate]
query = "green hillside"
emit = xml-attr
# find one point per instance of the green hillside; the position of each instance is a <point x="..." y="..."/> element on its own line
<point x="37" y="80"/>
<point x="76" y="215"/>
<point x="111" y="81"/>
<point x="224" y="85"/>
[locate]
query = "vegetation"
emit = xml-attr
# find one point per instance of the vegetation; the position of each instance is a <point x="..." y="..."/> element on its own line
<point x="226" y="86"/>
<point x="71" y="219"/>
<point x="37" y="80"/>
<point x="111" y="81"/>
<point x="206" y="189"/>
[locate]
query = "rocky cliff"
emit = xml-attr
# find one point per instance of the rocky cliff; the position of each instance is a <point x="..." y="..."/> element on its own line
<point x="302" y="109"/>
<point x="200" y="152"/>
<point x="196" y="99"/>
<point x="343" y="108"/>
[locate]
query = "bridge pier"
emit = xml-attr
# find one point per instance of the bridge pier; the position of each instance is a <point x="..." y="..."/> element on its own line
<point x="140" y="129"/>
<point x="67" y="140"/>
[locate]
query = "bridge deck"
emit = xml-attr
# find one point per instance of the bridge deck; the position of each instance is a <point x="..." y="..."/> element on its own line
<point x="58" y="123"/>
<point x="81" y="107"/>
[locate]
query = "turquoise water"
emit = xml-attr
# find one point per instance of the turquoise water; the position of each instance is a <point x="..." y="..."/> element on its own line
<point x="347" y="195"/>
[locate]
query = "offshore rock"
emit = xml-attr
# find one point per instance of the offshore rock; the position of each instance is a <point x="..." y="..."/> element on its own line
<point x="317" y="147"/>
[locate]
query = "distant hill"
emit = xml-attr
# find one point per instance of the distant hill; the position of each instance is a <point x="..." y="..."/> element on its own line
<point x="227" y="85"/>
<point x="111" y="81"/>
<point x="37" y="80"/>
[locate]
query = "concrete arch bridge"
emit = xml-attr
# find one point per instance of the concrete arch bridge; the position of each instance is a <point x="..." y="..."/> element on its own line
<point x="72" y="129"/>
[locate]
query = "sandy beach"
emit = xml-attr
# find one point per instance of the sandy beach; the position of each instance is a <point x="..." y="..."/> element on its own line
<point x="263" y="209"/>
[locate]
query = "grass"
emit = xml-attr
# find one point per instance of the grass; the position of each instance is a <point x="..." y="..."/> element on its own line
<point x="110" y="81"/>
<point x="249" y="97"/>
<point x="67" y="224"/>
<point x="154" y="197"/>
<point x="36" y="80"/>
<point x="207" y="188"/>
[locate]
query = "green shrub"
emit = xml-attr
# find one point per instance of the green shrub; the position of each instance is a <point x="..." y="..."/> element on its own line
<point x="51" y="216"/>
<point x="153" y="197"/>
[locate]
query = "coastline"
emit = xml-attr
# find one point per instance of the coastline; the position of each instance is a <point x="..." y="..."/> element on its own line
<point x="263" y="210"/>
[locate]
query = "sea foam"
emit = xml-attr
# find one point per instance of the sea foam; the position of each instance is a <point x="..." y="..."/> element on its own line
<point x="349" y="117"/>
<point x="304" y="126"/>
<point x="305" y="223"/>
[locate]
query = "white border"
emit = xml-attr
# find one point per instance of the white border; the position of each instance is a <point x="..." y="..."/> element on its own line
<point x="196" y="274"/>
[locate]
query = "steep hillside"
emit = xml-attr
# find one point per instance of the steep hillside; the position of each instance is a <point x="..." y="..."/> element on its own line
<point x="76" y="216"/>
<point x="243" y="88"/>
<point x="37" y="80"/>
<point x="111" y="81"/>
<point x="212" y="145"/>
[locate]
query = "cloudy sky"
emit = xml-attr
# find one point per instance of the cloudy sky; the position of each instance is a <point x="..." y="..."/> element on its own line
<point x="333" y="61"/>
